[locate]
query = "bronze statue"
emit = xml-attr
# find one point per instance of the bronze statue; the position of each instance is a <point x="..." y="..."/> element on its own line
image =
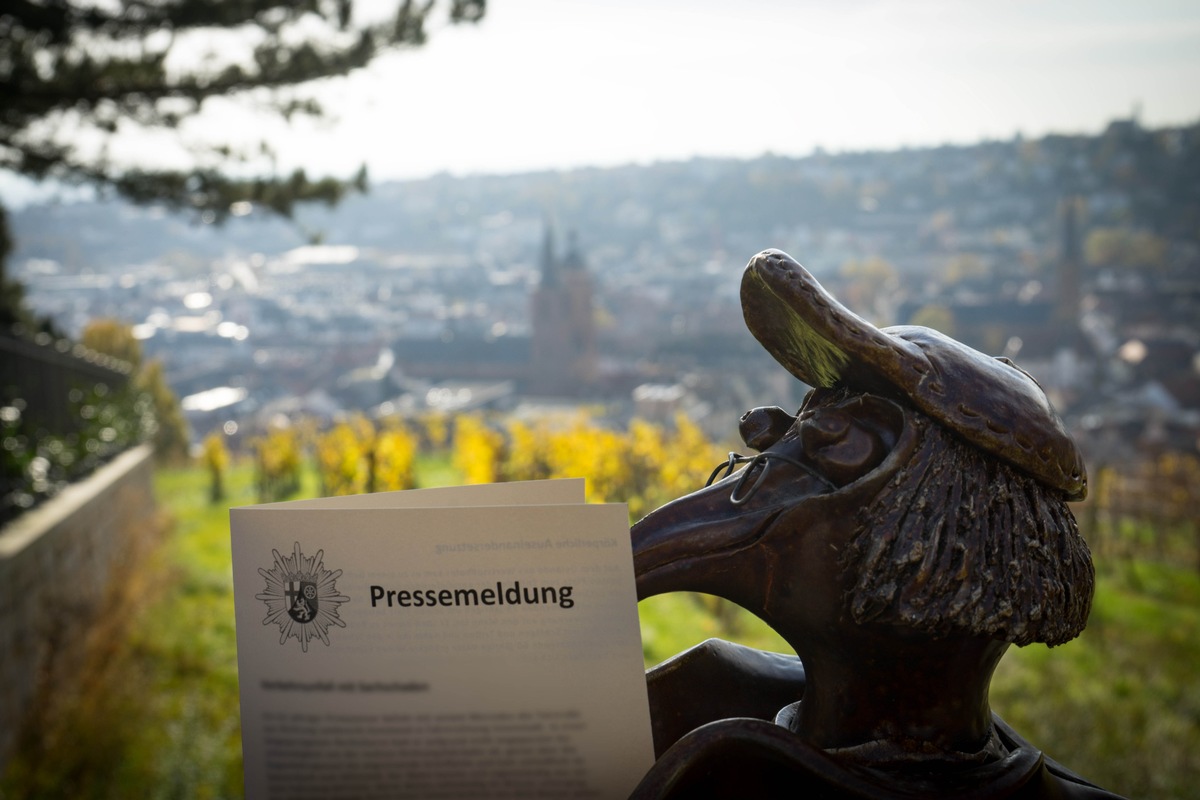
<point x="900" y="532"/>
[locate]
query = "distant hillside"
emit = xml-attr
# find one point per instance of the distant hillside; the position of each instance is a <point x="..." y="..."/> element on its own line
<point x="689" y="211"/>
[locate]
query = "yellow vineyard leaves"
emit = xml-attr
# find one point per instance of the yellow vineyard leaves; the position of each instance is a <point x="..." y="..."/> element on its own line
<point x="644" y="465"/>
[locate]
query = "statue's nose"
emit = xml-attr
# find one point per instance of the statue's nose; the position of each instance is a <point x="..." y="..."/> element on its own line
<point x="671" y="544"/>
<point x="700" y="541"/>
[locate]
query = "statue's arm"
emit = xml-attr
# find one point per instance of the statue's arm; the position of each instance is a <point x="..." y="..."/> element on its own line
<point x="718" y="680"/>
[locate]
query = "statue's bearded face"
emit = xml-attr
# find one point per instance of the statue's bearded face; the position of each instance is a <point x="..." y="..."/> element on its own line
<point x="915" y="529"/>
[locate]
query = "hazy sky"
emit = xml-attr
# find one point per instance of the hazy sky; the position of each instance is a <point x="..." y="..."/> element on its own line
<point x="557" y="83"/>
<point x="563" y="83"/>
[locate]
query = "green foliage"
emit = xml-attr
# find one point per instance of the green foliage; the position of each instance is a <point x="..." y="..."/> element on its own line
<point x="1120" y="704"/>
<point x="115" y="338"/>
<point x="671" y="623"/>
<point x="436" y="469"/>
<point x="277" y="462"/>
<point x="170" y="429"/>
<point x="37" y="463"/>
<point x="1145" y="506"/>
<point x="12" y="294"/>
<point x="153" y="711"/>
<point x="215" y="458"/>
<point x="165" y="424"/>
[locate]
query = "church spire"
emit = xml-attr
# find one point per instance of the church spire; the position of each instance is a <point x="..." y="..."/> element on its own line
<point x="1070" y="259"/>
<point x="563" y="344"/>
<point x="573" y="259"/>
<point x="549" y="263"/>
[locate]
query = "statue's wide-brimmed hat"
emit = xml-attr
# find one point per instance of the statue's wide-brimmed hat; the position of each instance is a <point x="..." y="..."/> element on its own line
<point x="989" y="402"/>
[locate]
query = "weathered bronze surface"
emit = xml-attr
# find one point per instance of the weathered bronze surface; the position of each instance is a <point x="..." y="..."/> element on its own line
<point x="900" y="531"/>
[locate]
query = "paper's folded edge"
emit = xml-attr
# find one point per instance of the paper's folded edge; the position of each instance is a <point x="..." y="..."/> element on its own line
<point x="556" y="491"/>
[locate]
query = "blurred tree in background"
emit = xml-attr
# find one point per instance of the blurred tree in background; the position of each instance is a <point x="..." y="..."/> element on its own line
<point x="277" y="457"/>
<point x="393" y="460"/>
<point x="355" y="456"/>
<point x="215" y="458"/>
<point x="114" y="338"/>
<point x="434" y="430"/>
<point x="75" y="74"/>
<point x="480" y="452"/>
<point x="169" y="428"/>
<point x="12" y="294"/>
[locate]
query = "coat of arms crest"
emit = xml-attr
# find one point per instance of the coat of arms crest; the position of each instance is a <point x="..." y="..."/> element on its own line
<point x="302" y="597"/>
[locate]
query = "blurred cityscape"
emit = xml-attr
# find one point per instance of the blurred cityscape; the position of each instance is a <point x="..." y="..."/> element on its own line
<point x="1076" y="256"/>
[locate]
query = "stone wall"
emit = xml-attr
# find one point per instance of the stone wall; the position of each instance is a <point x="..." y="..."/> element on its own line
<point x="57" y="564"/>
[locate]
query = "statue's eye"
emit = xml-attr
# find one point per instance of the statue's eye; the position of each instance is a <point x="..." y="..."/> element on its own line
<point x="826" y="426"/>
<point x="841" y="447"/>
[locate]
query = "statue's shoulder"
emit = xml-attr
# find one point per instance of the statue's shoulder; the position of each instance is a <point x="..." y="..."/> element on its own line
<point x="753" y="759"/>
<point x="728" y="746"/>
<point x="746" y="758"/>
<point x="1052" y="780"/>
<point x="717" y="680"/>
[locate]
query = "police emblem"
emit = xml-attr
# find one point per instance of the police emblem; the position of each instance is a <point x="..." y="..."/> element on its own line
<point x="302" y="597"/>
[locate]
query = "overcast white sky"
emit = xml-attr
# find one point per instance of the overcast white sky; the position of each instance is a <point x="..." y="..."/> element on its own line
<point x="561" y="83"/>
<point x="564" y="83"/>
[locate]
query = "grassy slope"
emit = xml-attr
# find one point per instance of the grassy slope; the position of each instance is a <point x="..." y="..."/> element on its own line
<point x="1120" y="705"/>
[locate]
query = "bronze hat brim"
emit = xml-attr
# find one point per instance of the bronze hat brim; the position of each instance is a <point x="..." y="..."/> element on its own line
<point x="990" y="402"/>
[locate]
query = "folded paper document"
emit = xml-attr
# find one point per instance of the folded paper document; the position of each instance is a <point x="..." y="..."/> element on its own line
<point x="465" y="642"/>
